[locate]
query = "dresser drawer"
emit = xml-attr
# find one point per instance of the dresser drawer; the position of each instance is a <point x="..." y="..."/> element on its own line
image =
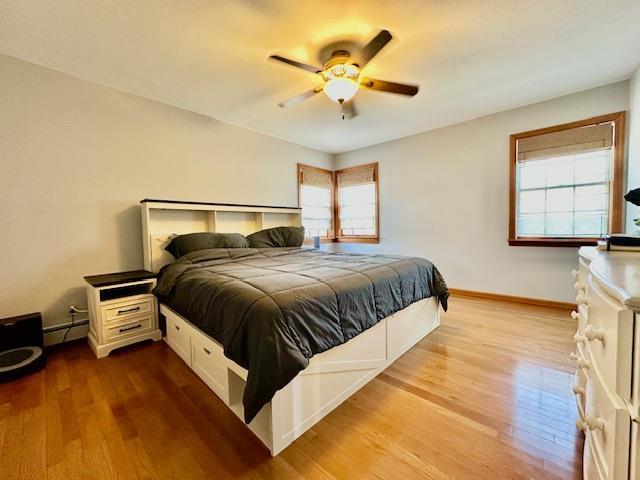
<point x="179" y="336"/>
<point x="606" y="426"/>
<point x="609" y="340"/>
<point x="209" y="364"/>
<point x="116" y="311"/>
<point x="133" y="326"/>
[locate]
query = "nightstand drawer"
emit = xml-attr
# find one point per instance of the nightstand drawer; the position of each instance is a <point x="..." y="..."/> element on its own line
<point x="113" y="312"/>
<point x="133" y="327"/>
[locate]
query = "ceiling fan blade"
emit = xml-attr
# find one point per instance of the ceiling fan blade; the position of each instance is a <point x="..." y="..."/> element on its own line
<point x="382" y="86"/>
<point x="294" y="63"/>
<point x="349" y="110"/>
<point x="299" y="98"/>
<point x="372" y="48"/>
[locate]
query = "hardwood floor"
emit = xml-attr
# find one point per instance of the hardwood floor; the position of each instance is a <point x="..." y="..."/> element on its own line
<point x="486" y="396"/>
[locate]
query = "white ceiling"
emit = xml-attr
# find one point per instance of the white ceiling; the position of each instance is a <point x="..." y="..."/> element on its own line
<point x="470" y="57"/>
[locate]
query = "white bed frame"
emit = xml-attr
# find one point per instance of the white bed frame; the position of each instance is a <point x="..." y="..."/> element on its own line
<point x="331" y="377"/>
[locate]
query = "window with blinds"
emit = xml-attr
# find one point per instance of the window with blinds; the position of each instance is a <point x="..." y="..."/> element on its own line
<point x="316" y="200"/>
<point x="566" y="182"/>
<point x="357" y="202"/>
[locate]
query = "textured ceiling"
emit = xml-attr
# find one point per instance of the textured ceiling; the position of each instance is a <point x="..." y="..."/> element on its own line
<point x="470" y="57"/>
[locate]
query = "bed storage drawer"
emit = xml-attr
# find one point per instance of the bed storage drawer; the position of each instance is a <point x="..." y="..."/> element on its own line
<point x="179" y="336"/>
<point x="207" y="360"/>
<point x="609" y="339"/>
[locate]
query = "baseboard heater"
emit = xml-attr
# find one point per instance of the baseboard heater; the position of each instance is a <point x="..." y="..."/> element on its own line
<point x="64" y="326"/>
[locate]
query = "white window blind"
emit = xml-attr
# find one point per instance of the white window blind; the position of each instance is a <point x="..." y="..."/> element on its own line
<point x="316" y="189"/>
<point x="357" y="202"/>
<point x="563" y="183"/>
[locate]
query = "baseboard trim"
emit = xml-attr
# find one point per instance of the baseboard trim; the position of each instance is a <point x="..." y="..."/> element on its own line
<point x="513" y="299"/>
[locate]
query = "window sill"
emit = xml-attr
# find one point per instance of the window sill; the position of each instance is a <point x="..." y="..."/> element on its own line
<point x="552" y="242"/>
<point x="357" y="240"/>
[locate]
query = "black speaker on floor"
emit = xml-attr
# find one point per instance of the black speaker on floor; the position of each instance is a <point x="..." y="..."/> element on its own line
<point x="21" y="347"/>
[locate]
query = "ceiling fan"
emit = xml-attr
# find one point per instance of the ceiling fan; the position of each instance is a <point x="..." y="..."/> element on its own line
<point x="341" y="78"/>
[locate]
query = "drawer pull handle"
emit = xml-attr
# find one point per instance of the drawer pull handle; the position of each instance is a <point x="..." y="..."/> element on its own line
<point x="574" y="273"/>
<point x="577" y="390"/>
<point x="575" y="315"/>
<point x="206" y="351"/>
<point x="129" y="310"/>
<point x="594" y="423"/>
<point x="130" y="328"/>
<point x="592" y="333"/>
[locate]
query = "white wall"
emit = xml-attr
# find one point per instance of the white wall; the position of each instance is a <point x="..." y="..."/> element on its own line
<point x="633" y="172"/>
<point x="75" y="160"/>
<point x="444" y="195"/>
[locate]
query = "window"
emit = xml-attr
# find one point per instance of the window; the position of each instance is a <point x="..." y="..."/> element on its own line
<point x="566" y="183"/>
<point x="339" y="206"/>
<point x="315" y="190"/>
<point x="357" y="203"/>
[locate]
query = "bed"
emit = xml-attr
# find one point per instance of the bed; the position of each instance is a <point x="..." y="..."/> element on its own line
<point x="283" y="335"/>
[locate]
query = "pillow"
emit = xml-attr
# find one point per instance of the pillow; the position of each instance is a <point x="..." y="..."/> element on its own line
<point x="277" y="237"/>
<point x="191" y="242"/>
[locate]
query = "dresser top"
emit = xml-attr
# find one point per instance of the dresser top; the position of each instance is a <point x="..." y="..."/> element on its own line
<point x="618" y="272"/>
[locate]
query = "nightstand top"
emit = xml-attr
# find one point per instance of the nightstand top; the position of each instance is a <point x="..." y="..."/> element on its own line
<point x="108" y="279"/>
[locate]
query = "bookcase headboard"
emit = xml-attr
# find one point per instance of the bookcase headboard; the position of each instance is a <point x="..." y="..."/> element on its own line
<point x="161" y="218"/>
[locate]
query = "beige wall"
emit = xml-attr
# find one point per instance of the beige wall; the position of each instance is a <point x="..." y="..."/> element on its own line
<point x="633" y="177"/>
<point x="444" y="195"/>
<point x="75" y="160"/>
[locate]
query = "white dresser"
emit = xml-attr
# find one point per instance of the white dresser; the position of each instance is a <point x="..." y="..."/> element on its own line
<point x="607" y="384"/>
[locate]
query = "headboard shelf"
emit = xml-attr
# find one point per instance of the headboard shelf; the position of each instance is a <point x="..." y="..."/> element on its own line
<point x="161" y="218"/>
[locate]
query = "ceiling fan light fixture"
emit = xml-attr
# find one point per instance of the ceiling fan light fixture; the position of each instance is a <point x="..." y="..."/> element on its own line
<point x="341" y="89"/>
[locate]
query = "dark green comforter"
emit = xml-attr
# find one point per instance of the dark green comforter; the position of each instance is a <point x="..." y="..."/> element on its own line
<point x="273" y="309"/>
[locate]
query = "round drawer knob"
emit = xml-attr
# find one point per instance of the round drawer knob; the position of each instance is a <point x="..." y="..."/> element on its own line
<point x="574" y="273"/>
<point x="578" y="390"/>
<point x="580" y="360"/>
<point x="582" y="298"/>
<point x="575" y="315"/>
<point x="594" y="423"/>
<point x="591" y="333"/>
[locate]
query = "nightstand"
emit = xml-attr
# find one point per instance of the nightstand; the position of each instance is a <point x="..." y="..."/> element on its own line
<point x="122" y="310"/>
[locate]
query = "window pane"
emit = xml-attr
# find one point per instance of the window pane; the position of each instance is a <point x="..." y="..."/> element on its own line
<point x="592" y="197"/>
<point x="591" y="224"/>
<point x="316" y="210"/>
<point x="560" y="171"/>
<point x="592" y="167"/>
<point x="533" y="174"/>
<point x="560" y="200"/>
<point x="531" y="224"/>
<point x="357" y="209"/>
<point x="564" y="196"/>
<point x="559" y="224"/>
<point x="532" y="201"/>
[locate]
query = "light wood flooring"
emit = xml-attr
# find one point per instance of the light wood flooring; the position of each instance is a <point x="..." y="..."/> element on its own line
<point x="486" y="396"/>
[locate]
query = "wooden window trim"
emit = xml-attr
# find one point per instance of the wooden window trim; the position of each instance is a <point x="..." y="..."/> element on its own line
<point x="332" y="230"/>
<point x="335" y="218"/>
<point x="616" y="187"/>
<point x="356" y="238"/>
